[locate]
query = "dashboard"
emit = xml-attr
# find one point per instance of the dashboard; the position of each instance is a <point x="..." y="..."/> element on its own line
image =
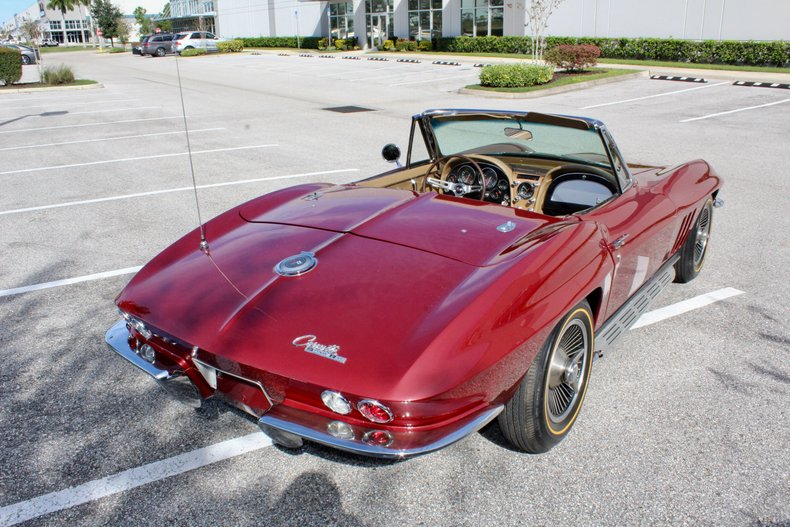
<point x="498" y="186"/>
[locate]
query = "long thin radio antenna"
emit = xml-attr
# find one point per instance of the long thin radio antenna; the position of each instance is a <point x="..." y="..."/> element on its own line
<point x="203" y="241"/>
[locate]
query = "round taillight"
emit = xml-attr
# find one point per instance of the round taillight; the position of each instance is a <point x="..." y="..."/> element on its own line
<point x="340" y="430"/>
<point x="377" y="438"/>
<point x="147" y="353"/>
<point x="336" y="402"/>
<point x="374" y="411"/>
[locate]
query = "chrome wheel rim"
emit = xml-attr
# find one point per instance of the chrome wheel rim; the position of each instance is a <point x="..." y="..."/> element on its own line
<point x="702" y="235"/>
<point x="567" y="371"/>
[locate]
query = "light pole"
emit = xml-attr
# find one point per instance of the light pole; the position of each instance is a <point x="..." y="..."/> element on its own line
<point x="298" y="41"/>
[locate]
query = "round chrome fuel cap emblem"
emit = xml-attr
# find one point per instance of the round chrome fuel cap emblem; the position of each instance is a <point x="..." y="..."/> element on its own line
<point x="296" y="265"/>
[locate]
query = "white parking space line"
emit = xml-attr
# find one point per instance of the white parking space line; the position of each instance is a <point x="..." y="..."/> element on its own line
<point x="127" y="159"/>
<point x="105" y="123"/>
<point x="167" y="191"/>
<point x="435" y="79"/>
<point x="132" y="478"/>
<point x="66" y="104"/>
<point x="685" y="306"/>
<point x="735" y="111"/>
<point x="655" y="95"/>
<point x="46" y="145"/>
<point x="68" y="281"/>
<point x="67" y="113"/>
<point x="173" y="466"/>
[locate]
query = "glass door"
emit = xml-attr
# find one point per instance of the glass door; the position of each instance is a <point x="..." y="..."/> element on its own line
<point x="379" y="29"/>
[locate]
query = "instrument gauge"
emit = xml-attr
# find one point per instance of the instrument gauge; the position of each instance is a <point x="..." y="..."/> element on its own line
<point x="491" y="177"/>
<point x="466" y="175"/>
<point x="526" y="190"/>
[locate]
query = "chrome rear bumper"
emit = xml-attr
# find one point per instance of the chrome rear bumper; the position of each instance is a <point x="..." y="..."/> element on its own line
<point x="175" y="383"/>
<point x="287" y="425"/>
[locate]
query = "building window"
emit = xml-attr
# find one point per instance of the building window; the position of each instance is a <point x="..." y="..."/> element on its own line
<point x="380" y="20"/>
<point x="72" y="24"/>
<point x="74" y="36"/>
<point x="481" y="18"/>
<point x="425" y="19"/>
<point x="54" y="25"/>
<point x="341" y="20"/>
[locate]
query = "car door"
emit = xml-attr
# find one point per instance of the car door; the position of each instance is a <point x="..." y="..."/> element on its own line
<point x="211" y="42"/>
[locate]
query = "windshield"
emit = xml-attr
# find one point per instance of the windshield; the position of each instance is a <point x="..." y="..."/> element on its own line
<point x="509" y="135"/>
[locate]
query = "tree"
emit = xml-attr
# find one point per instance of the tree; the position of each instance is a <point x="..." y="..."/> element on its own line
<point x="107" y="16"/>
<point x="161" y="23"/>
<point x="30" y="30"/>
<point x="123" y="31"/>
<point x="63" y="5"/>
<point x="142" y="21"/>
<point x="538" y="13"/>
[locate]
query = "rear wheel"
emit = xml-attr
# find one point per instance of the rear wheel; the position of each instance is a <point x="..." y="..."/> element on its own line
<point x="160" y="52"/>
<point x="692" y="254"/>
<point x="547" y="402"/>
<point x="25" y="60"/>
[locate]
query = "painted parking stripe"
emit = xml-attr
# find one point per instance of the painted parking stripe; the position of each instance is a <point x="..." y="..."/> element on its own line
<point x="132" y="478"/>
<point x="655" y="95"/>
<point x="66" y="104"/>
<point x="173" y="466"/>
<point x="127" y="159"/>
<point x="735" y="111"/>
<point x="105" y="123"/>
<point x="468" y="74"/>
<point x="68" y="113"/>
<point x="169" y="190"/>
<point x="47" y="145"/>
<point x="69" y="281"/>
<point x="685" y="306"/>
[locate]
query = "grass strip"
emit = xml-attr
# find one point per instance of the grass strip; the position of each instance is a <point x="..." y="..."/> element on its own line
<point x="596" y="73"/>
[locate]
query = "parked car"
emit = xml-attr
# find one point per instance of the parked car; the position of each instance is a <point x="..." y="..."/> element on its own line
<point x="28" y="55"/>
<point x="138" y="49"/>
<point x="396" y="315"/>
<point x="48" y="42"/>
<point x="197" y="40"/>
<point x="158" y="45"/>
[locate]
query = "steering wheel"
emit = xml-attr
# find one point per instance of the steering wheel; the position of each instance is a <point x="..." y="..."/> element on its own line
<point x="457" y="188"/>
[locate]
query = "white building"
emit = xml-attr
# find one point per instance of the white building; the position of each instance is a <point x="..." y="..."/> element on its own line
<point x="372" y="21"/>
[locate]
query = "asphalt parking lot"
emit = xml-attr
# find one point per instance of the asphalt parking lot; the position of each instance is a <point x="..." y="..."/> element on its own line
<point x="685" y="421"/>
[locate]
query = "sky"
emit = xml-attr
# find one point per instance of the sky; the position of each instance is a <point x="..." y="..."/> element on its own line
<point x="9" y="7"/>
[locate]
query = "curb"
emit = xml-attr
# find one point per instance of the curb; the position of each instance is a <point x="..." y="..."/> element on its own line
<point x="55" y="88"/>
<point x="552" y="91"/>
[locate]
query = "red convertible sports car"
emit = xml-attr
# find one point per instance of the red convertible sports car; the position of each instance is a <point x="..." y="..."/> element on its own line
<point x="398" y="314"/>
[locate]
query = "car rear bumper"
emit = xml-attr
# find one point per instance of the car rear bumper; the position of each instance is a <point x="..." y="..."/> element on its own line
<point x="175" y="383"/>
<point x="286" y="425"/>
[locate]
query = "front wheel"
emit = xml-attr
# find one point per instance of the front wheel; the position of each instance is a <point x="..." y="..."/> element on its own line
<point x="692" y="254"/>
<point x="547" y="402"/>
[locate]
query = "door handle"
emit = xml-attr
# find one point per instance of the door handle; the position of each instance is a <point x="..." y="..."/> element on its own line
<point x="619" y="242"/>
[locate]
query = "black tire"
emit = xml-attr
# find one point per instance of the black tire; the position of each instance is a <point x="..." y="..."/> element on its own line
<point x="160" y="52"/>
<point x="25" y="60"/>
<point x="547" y="402"/>
<point x="692" y="254"/>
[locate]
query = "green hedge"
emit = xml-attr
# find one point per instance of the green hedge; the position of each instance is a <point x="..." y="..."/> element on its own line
<point x="10" y="66"/>
<point x="193" y="52"/>
<point x="280" y="42"/>
<point x="230" y="46"/>
<point x="703" y="52"/>
<point x="515" y="75"/>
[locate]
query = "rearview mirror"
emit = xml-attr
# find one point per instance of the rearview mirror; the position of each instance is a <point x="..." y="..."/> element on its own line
<point x="391" y="153"/>
<point x="518" y="133"/>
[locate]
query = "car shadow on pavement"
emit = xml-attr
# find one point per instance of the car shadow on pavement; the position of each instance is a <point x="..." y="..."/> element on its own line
<point x="312" y="498"/>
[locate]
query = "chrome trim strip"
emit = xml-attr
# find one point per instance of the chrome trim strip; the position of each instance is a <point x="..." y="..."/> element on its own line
<point x="118" y="339"/>
<point x="357" y="447"/>
<point x="257" y="383"/>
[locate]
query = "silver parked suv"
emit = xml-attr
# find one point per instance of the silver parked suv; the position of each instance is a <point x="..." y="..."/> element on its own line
<point x="158" y="45"/>
<point x="196" y="40"/>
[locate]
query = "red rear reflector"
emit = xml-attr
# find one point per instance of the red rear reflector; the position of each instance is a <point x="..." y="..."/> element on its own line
<point x="377" y="438"/>
<point x="374" y="411"/>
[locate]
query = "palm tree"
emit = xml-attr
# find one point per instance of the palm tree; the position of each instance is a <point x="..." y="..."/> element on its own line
<point x="63" y="5"/>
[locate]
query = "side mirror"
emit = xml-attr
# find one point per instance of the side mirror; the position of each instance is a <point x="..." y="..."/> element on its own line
<point x="391" y="153"/>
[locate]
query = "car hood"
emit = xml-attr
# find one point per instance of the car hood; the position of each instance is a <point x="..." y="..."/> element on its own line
<point x="381" y="294"/>
<point x="469" y="231"/>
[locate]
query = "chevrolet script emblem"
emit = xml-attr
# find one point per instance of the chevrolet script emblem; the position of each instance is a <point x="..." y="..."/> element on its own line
<point x="311" y="346"/>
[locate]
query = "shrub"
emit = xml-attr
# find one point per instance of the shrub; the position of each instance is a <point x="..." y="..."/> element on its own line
<point x="281" y="42"/>
<point x="193" y="52"/>
<point x="515" y="75"/>
<point x="230" y="46"/>
<point x="55" y="75"/>
<point x="405" y="45"/>
<point x="388" y="45"/>
<point x="573" y="57"/>
<point x="707" y="51"/>
<point x="322" y="43"/>
<point x="340" y="43"/>
<point x="424" y="45"/>
<point x="10" y="66"/>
